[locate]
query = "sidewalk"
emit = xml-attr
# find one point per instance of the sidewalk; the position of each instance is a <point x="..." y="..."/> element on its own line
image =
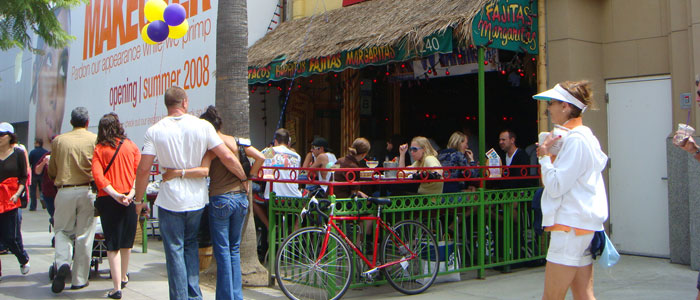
<point x="148" y="277"/>
<point x="633" y="278"/>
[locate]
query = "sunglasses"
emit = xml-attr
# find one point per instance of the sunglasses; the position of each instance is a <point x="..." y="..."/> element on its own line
<point x="414" y="149"/>
<point x="4" y="133"/>
<point x="315" y="147"/>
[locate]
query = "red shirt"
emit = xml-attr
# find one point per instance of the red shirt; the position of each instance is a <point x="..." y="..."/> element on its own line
<point x="122" y="173"/>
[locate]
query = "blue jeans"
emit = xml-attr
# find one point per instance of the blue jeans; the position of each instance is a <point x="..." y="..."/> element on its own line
<point x="179" y="232"/>
<point x="227" y="214"/>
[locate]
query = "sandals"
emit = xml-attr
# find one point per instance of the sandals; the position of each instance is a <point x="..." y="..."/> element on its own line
<point x="114" y="295"/>
<point x="125" y="282"/>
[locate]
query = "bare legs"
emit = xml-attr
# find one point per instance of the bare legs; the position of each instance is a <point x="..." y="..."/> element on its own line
<point x="118" y="265"/>
<point x="558" y="278"/>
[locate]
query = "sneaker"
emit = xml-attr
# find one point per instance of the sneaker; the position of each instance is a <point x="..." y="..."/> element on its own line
<point x="59" y="281"/>
<point x="24" y="269"/>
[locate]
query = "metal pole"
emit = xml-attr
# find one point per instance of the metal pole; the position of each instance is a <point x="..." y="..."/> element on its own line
<point x="482" y="107"/>
<point x="543" y="124"/>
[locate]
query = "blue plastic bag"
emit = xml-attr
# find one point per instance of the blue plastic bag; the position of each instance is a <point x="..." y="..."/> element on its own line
<point x="610" y="256"/>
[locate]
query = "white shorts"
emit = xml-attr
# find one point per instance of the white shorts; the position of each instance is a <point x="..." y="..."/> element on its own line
<point x="569" y="249"/>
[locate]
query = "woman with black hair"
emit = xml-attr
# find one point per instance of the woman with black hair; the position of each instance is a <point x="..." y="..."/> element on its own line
<point x="114" y="163"/>
<point x="13" y="180"/>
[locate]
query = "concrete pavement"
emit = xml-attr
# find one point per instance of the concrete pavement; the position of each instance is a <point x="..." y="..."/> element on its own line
<point x="633" y="278"/>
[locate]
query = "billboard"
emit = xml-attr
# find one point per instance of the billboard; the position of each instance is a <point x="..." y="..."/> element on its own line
<point x="109" y="68"/>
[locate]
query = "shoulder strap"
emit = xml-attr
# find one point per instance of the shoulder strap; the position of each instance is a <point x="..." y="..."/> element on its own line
<point x="114" y="156"/>
<point x="20" y="157"/>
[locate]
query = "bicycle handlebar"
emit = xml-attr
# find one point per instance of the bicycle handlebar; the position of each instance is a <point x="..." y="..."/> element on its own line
<point x="320" y="205"/>
<point x="315" y="205"/>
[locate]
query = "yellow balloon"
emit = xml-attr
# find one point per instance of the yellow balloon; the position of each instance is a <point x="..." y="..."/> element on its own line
<point x="154" y="10"/>
<point x="179" y="31"/>
<point x="144" y="35"/>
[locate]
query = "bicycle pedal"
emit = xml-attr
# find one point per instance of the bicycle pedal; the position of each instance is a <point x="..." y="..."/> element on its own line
<point x="369" y="274"/>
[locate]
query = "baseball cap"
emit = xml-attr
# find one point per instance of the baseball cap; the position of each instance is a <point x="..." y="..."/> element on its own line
<point x="561" y="94"/>
<point x="320" y="142"/>
<point x="7" y="127"/>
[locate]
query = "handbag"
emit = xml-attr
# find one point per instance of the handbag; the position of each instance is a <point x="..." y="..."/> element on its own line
<point x="245" y="163"/>
<point x="609" y="257"/>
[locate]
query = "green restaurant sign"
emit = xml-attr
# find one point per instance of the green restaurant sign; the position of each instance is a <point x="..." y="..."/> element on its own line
<point x="440" y="42"/>
<point x="508" y="25"/>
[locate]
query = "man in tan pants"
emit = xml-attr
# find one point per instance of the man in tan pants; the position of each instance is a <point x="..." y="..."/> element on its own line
<point x="70" y="167"/>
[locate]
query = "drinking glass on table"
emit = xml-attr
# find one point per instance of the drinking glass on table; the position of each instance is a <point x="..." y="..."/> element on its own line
<point x="372" y="163"/>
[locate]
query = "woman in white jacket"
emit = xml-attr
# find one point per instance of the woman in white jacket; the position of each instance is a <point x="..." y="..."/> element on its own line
<point x="574" y="204"/>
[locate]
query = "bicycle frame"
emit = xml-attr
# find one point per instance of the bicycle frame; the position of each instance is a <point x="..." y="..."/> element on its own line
<point x="331" y="224"/>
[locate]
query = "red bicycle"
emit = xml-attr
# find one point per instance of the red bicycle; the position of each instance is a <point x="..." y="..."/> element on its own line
<point x="315" y="263"/>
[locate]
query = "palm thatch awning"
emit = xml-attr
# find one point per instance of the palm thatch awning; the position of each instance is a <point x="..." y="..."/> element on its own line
<point x="375" y="23"/>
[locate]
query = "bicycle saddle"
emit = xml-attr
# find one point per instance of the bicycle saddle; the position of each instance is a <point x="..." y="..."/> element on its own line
<point x="379" y="201"/>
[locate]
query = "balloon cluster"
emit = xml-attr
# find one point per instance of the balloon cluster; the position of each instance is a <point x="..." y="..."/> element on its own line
<point x="166" y="21"/>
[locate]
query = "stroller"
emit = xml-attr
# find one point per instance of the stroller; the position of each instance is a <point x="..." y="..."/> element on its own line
<point x="99" y="251"/>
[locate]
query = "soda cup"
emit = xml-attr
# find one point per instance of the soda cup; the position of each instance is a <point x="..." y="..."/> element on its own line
<point x="684" y="131"/>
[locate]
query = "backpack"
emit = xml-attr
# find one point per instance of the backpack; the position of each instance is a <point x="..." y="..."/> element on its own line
<point x="242" y="157"/>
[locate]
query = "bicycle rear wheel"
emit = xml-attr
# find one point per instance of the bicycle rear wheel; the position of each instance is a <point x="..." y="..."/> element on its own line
<point x="418" y="274"/>
<point x="301" y="274"/>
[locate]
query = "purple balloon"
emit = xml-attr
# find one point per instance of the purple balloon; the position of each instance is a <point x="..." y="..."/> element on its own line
<point x="158" y="31"/>
<point x="174" y="14"/>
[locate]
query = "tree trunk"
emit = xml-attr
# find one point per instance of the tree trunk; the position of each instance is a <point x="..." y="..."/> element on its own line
<point x="232" y="103"/>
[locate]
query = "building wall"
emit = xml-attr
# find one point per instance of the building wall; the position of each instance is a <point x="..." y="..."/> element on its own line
<point x="305" y="8"/>
<point x="14" y="98"/>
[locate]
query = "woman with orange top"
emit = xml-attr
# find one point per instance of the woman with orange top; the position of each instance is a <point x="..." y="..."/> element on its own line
<point x="574" y="204"/>
<point x="115" y="196"/>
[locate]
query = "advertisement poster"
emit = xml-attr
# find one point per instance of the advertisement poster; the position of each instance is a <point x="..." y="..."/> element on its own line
<point x="109" y="68"/>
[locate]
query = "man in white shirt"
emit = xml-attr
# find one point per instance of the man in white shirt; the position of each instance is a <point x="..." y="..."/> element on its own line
<point x="180" y="141"/>
<point x="280" y="155"/>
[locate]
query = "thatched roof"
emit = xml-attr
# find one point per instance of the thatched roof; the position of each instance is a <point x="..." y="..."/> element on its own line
<point x="371" y="23"/>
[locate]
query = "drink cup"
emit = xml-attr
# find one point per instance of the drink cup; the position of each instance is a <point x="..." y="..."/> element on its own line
<point x="390" y="173"/>
<point x="684" y="131"/>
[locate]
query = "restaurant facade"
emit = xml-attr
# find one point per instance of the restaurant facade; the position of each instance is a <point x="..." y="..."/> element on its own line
<point x="640" y="56"/>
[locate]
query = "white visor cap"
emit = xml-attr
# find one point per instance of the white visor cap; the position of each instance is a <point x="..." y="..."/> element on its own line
<point x="561" y="94"/>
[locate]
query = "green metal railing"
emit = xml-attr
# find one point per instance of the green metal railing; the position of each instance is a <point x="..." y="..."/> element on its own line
<point x="485" y="228"/>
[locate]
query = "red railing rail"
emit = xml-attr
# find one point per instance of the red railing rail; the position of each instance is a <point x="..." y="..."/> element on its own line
<point x="376" y="177"/>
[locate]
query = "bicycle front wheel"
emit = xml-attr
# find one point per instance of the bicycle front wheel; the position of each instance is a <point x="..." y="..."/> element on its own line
<point x="302" y="274"/>
<point x="415" y="275"/>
